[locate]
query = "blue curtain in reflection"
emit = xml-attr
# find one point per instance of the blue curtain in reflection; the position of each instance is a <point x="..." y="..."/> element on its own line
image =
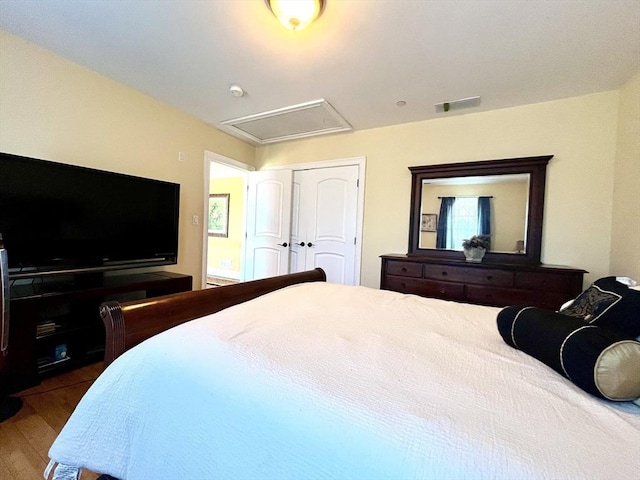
<point x="445" y="225"/>
<point x="484" y="216"/>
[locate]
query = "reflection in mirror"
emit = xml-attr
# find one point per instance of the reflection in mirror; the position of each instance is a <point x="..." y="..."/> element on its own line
<point x="455" y="208"/>
<point x="516" y="237"/>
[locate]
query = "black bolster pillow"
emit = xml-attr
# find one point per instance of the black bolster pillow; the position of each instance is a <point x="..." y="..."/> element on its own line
<point x="600" y="361"/>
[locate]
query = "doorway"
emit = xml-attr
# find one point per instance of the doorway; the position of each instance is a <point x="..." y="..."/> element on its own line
<point x="224" y="219"/>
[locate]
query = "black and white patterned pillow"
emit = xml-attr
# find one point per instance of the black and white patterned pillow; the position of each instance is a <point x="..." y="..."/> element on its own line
<point x="610" y="304"/>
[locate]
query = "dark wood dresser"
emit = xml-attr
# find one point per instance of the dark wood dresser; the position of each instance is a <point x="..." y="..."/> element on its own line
<point x="495" y="284"/>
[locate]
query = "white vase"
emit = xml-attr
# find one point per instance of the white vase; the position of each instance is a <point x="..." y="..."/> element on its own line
<point x="474" y="254"/>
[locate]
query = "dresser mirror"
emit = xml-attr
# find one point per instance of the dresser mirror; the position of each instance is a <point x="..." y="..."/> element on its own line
<point x="502" y="199"/>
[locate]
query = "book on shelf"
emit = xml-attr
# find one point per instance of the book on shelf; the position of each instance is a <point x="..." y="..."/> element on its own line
<point x="46" y="328"/>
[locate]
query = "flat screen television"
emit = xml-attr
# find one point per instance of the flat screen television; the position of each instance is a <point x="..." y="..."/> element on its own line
<point x="58" y="218"/>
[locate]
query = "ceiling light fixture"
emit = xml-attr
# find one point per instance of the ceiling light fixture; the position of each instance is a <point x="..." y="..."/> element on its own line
<point x="296" y="14"/>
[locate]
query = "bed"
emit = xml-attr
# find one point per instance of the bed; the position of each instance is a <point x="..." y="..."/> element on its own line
<point x="296" y="378"/>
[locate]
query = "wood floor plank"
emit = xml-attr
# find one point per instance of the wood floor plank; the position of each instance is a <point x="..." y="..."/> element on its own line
<point x="70" y="396"/>
<point x="17" y="453"/>
<point x="5" y="473"/>
<point x="52" y="412"/>
<point x="38" y="433"/>
<point x="25" y="439"/>
<point x="89" y="372"/>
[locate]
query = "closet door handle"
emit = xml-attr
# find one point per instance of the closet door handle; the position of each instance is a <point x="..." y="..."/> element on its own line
<point x="309" y="244"/>
<point x="285" y="244"/>
<point x="301" y="244"/>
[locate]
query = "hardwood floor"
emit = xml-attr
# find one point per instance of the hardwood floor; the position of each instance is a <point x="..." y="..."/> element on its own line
<point x="25" y="438"/>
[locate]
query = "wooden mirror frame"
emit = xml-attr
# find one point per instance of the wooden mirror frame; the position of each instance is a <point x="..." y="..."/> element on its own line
<point x="536" y="167"/>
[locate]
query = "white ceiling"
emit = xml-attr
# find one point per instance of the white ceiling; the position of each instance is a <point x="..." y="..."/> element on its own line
<point x="362" y="56"/>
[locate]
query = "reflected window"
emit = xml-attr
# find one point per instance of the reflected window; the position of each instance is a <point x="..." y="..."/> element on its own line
<point x="461" y="218"/>
<point x="465" y="221"/>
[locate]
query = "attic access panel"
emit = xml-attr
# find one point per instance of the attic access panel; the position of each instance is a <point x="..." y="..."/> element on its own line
<point x="298" y="121"/>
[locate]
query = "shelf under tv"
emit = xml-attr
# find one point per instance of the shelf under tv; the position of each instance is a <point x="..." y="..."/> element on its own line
<point x="81" y="331"/>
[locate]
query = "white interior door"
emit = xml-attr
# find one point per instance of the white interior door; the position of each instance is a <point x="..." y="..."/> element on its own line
<point x="268" y="224"/>
<point x="324" y="222"/>
<point x="297" y="244"/>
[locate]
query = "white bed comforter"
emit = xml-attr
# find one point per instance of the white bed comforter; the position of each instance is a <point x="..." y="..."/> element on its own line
<point x="328" y="381"/>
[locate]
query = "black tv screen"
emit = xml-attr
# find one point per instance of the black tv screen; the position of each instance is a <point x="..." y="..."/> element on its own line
<point x="56" y="217"/>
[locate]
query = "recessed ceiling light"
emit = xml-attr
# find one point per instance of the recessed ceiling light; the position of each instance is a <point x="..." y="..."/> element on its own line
<point x="401" y="103"/>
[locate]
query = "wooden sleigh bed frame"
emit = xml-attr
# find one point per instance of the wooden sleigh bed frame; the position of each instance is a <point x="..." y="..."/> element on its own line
<point x="129" y="323"/>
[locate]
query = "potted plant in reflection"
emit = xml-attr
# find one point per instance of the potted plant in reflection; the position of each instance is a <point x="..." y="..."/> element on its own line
<point x="475" y="248"/>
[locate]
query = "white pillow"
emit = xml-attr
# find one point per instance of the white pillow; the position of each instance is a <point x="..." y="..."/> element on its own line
<point x="566" y="305"/>
<point x="629" y="282"/>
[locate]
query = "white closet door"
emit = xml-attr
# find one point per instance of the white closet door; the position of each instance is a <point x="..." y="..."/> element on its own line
<point x="325" y="222"/>
<point x="268" y="224"/>
<point x="297" y="247"/>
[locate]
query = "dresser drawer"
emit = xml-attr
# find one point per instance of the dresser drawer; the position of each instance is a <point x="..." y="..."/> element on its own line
<point x="480" y="276"/>
<point x="503" y="297"/>
<point x="425" y="288"/>
<point x="404" y="269"/>
<point x="499" y="297"/>
<point x="550" y="282"/>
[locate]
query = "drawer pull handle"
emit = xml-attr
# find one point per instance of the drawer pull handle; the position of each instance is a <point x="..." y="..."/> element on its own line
<point x="489" y="277"/>
<point x="403" y="269"/>
<point x="444" y="274"/>
<point x="442" y="290"/>
<point x="403" y="285"/>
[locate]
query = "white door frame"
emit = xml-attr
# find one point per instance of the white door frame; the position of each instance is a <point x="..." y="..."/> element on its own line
<point x="361" y="162"/>
<point x="210" y="157"/>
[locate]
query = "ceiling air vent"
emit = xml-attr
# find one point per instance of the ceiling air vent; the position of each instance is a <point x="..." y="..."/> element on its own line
<point x="457" y="104"/>
<point x="298" y="121"/>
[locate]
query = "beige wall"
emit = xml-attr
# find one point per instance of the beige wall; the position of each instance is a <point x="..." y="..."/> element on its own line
<point x="53" y="109"/>
<point x="625" y="230"/>
<point x="580" y="132"/>
<point x="220" y="249"/>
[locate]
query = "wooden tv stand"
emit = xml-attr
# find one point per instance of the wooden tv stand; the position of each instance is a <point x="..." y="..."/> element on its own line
<point x="55" y="322"/>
